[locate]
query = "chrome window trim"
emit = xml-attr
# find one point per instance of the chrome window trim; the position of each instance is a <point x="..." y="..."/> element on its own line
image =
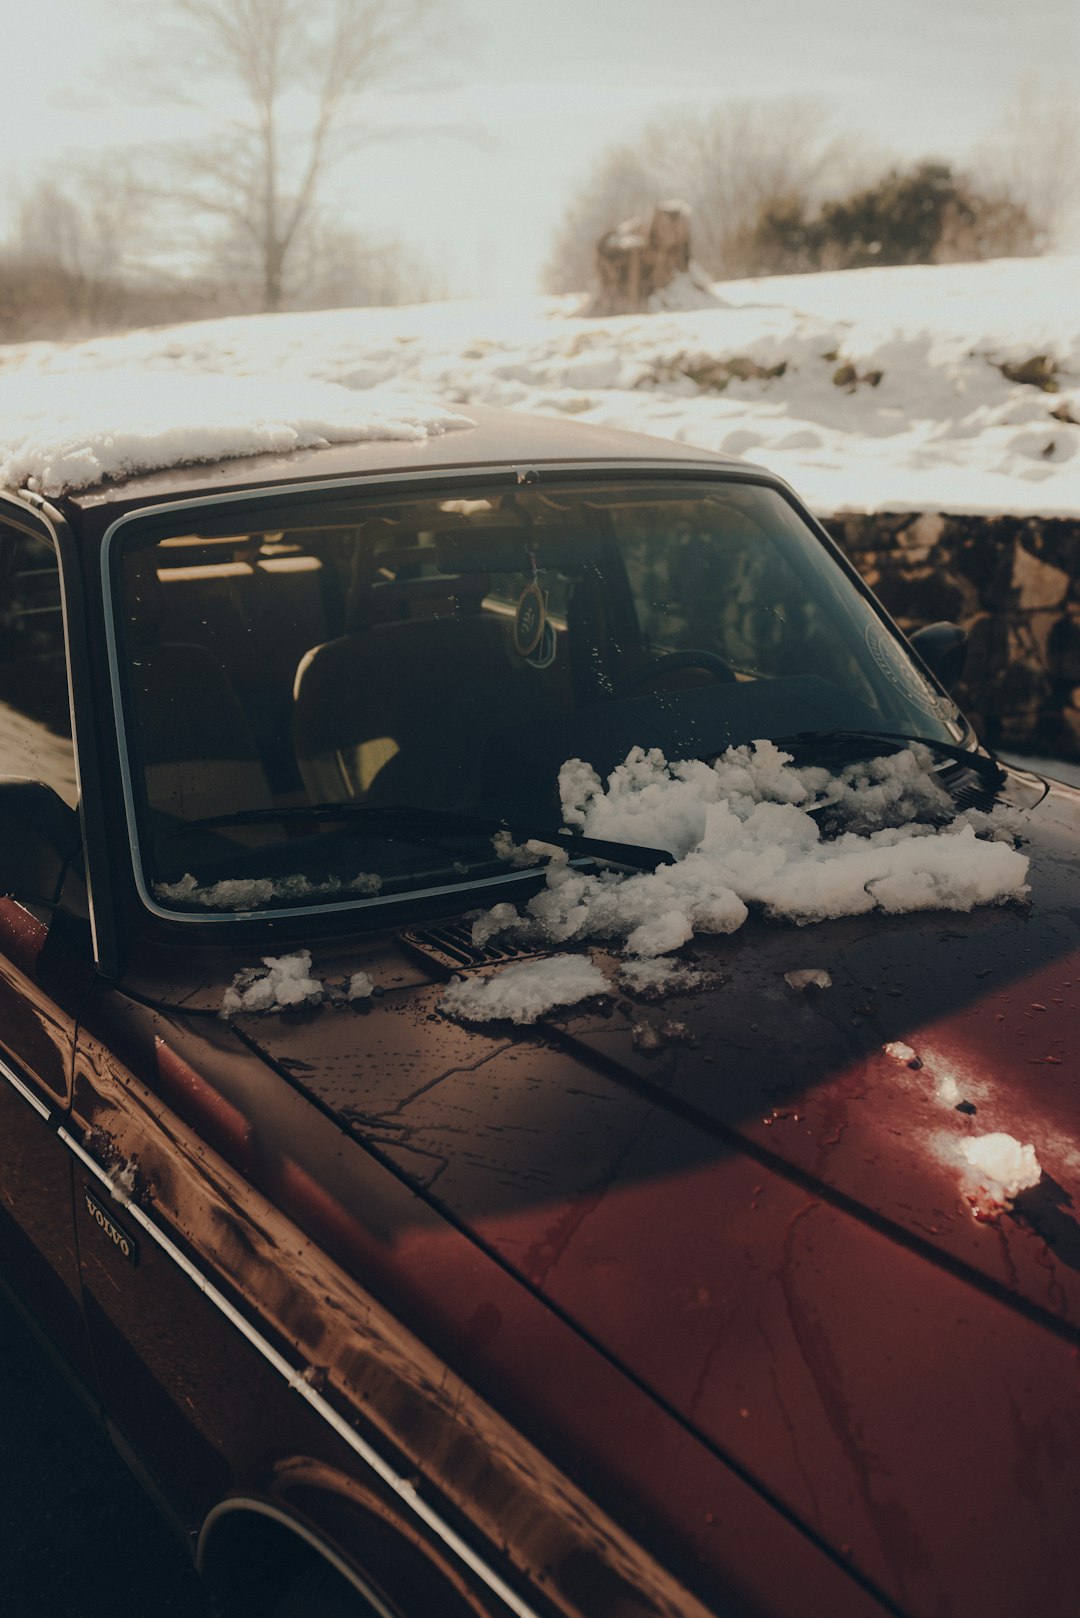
<point x="432" y="475"/>
<point x="295" y="1377"/>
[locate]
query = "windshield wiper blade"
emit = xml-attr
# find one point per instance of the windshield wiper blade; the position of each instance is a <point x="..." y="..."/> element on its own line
<point x="605" y="850"/>
<point x="400" y="818"/>
<point x="822" y="740"/>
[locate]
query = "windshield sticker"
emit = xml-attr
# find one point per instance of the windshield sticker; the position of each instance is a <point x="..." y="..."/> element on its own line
<point x="529" y="620"/>
<point x="901" y="674"/>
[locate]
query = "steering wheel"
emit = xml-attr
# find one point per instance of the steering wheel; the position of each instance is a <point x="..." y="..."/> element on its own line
<point x="689" y="658"/>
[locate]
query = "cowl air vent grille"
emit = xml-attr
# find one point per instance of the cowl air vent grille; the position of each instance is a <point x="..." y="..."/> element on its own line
<point x="968" y="789"/>
<point x="451" y="945"/>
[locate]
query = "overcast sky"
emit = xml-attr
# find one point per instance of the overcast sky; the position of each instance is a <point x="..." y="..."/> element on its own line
<point x="541" y="87"/>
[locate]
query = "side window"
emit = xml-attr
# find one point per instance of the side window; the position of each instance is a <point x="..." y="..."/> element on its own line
<point x="35" y="715"/>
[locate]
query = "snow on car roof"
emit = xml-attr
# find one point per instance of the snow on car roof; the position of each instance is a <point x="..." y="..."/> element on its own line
<point x="485" y="437"/>
<point x="60" y="433"/>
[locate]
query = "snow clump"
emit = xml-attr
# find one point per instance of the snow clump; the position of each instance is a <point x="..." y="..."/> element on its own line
<point x="653" y="977"/>
<point x="525" y="990"/>
<point x="1001" y="1169"/>
<point x="808" y="977"/>
<point x="248" y="893"/>
<point x="947" y="1089"/>
<point x="360" y="986"/>
<point x="286" y="981"/>
<point x="744" y="834"/>
<point x="519" y="855"/>
<point x="69" y="431"/>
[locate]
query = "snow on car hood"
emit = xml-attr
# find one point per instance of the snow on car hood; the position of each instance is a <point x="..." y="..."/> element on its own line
<point x="753" y="1197"/>
<point x="762" y="1214"/>
<point x="63" y="432"/>
<point x="864" y="1053"/>
<point x="935" y="1029"/>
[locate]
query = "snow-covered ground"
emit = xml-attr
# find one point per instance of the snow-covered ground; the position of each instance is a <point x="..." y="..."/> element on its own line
<point x="942" y="428"/>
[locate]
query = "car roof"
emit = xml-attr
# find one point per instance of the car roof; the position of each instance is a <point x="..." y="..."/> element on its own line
<point x="499" y="437"/>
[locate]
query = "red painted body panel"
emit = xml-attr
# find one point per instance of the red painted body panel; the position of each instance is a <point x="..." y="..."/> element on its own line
<point x="766" y="1231"/>
<point x="706" y="1330"/>
<point x="550" y="1412"/>
<point x="41" y="989"/>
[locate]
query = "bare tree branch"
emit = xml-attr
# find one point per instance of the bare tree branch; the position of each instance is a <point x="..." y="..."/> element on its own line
<point x="725" y="164"/>
<point x="1033" y="157"/>
<point x="286" y="78"/>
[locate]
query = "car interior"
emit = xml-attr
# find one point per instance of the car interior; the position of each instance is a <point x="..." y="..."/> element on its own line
<point x="317" y="666"/>
<point x="451" y="653"/>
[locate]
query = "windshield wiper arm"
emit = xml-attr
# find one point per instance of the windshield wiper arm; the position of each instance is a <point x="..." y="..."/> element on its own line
<point x="390" y="818"/>
<point x="603" y="849"/>
<point x="987" y="767"/>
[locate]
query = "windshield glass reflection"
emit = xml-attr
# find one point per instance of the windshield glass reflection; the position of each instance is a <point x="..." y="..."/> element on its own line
<point x="447" y="653"/>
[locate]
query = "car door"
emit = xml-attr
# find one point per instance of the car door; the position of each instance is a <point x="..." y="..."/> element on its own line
<point x="184" y="1391"/>
<point x="45" y="959"/>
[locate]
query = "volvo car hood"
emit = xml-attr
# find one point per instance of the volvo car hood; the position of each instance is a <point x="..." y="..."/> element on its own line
<point x="765" y="1215"/>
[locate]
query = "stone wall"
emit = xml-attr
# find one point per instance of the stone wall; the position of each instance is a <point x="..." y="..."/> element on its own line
<point x="1014" y="584"/>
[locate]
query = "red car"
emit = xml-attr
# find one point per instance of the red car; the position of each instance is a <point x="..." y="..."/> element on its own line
<point x="676" y="1299"/>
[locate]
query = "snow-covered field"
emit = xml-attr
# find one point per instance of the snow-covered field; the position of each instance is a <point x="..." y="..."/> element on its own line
<point x="941" y="428"/>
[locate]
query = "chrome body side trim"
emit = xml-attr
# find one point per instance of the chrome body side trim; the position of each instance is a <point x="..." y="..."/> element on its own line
<point x="25" y="1091"/>
<point x="295" y="1378"/>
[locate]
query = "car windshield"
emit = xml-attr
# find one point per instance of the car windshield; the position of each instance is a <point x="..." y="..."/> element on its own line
<point x="341" y="704"/>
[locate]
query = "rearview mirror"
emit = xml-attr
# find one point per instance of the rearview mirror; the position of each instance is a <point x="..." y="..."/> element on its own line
<point x="39" y="835"/>
<point x="943" y="648"/>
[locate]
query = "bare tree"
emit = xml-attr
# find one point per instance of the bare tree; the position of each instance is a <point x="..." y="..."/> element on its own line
<point x="76" y="246"/>
<point x="622" y="186"/>
<point x="1033" y="158"/>
<point x="285" y="80"/>
<point x="337" y="268"/>
<point x="727" y="164"/>
<point x="89" y="222"/>
<point x="332" y="266"/>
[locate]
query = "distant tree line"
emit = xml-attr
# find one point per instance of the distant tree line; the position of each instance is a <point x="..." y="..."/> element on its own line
<point x="773" y="192"/>
<point x="86" y="256"/>
<point x="239" y="221"/>
<point x="924" y="214"/>
<point x="236" y="221"/>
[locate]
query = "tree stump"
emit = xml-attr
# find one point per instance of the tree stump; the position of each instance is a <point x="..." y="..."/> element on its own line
<point x="640" y="258"/>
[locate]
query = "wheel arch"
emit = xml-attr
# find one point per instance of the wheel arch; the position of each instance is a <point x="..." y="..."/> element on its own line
<point x="311" y="1512"/>
<point x="246" y="1530"/>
